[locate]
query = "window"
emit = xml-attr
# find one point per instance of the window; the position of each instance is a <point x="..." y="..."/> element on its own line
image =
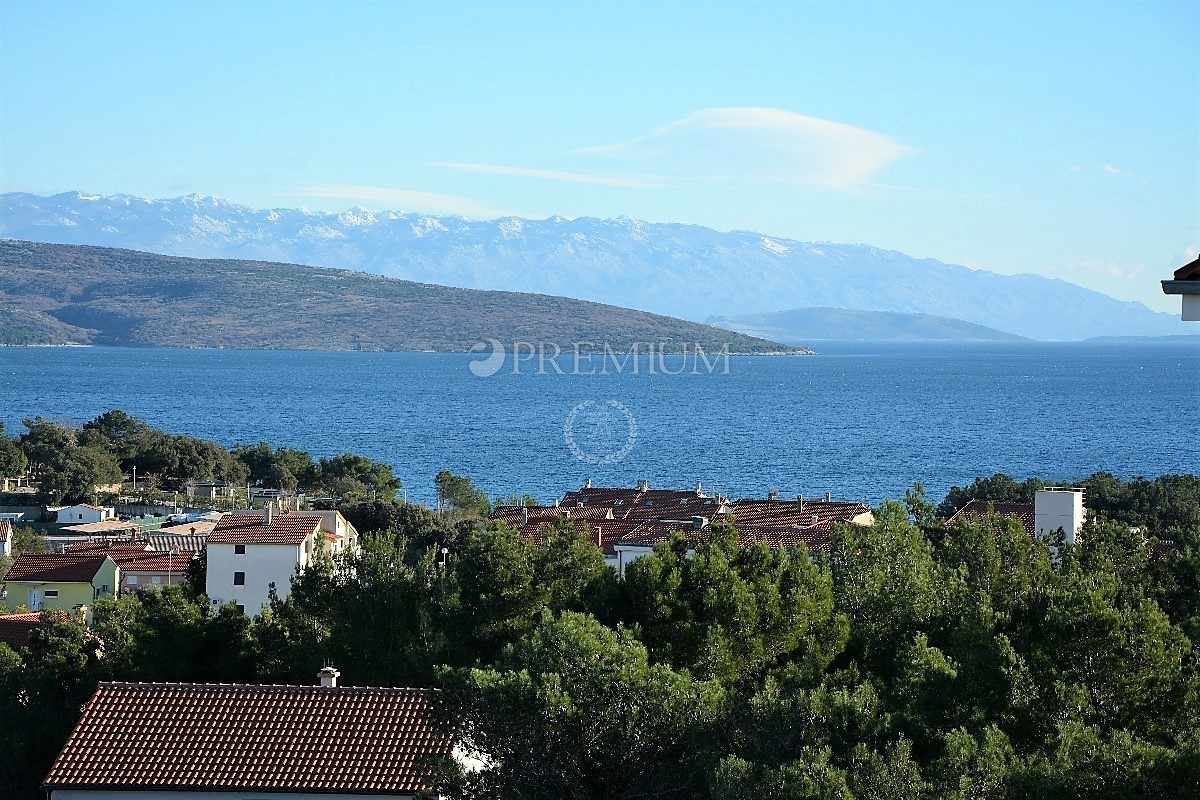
<point x="156" y="579"/>
<point x="51" y="593"/>
<point x="241" y="608"/>
<point x="239" y="579"/>
<point x="239" y="549"/>
<point x="131" y="580"/>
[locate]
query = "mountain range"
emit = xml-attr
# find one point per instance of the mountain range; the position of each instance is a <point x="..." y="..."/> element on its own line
<point x="684" y="271"/>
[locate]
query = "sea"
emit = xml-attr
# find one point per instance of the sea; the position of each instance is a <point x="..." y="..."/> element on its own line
<point x="860" y="421"/>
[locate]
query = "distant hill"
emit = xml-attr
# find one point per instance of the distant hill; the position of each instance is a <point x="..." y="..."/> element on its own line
<point x="97" y="295"/>
<point x="810" y="324"/>
<point x="1193" y="338"/>
<point x="685" y="271"/>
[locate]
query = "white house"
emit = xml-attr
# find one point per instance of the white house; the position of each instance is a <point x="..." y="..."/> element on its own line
<point x="84" y="512"/>
<point x="236" y="741"/>
<point x="249" y="551"/>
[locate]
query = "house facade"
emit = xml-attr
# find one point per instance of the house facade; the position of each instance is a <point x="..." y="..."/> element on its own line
<point x="209" y="741"/>
<point x="84" y="513"/>
<point x="6" y="537"/>
<point x="41" y="581"/>
<point x="248" y="552"/>
<point x="140" y="563"/>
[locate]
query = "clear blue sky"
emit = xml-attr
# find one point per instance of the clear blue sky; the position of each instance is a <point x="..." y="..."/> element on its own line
<point x="1061" y="138"/>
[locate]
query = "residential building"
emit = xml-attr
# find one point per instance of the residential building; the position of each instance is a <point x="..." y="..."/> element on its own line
<point x="6" y="537"/>
<point x="15" y="628"/>
<point x="1186" y="283"/>
<point x="213" y="489"/>
<point x="210" y="741"/>
<point x="140" y="563"/>
<point x="249" y="552"/>
<point x="1054" y="508"/>
<point x="627" y="523"/>
<point x="83" y="512"/>
<point x="59" y="581"/>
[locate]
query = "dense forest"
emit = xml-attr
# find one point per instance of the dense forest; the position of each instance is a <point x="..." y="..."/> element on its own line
<point x="911" y="660"/>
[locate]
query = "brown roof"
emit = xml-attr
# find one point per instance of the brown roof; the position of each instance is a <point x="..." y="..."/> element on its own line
<point x="209" y="737"/>
<point x="285" y="528"/>
<point x="5" y="529"/>
<point x="15" y="628"/>
<point x="135" y="556"/>
<point x="55" y="567"/>
<point x="1023" y="512"/>
<point x="1189" y="272"/>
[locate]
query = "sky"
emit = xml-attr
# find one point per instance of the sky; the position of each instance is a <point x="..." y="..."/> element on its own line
<point x="1058" y="138"/>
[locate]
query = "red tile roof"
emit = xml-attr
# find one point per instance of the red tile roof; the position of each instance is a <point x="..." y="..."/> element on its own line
<point x="1189" y="271"/>
<point x="236" y="738"/>
<point x="55" y="567"/>
<point x="285" y="528"/>
<point x="5" y="529"/>
<point x="1022" y="512"/>
<point x="15" y="628"/>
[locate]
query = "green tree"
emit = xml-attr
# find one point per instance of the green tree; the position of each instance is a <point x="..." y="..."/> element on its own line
<point x="575" y="709"/>
<point x="458" y="495"/>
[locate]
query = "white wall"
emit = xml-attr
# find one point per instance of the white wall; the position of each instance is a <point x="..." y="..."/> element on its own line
<point x="1191" y="308"/>
<point x="262" y="563"/>
<point x="1058" y="508"/>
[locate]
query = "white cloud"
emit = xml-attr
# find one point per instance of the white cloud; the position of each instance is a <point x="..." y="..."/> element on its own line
<point x="553" y="175"/>
<point x="760" y="144"/>
<point x="402" y="199"/>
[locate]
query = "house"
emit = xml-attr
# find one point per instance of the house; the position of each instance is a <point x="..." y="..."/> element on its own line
<point x="59" y="580"/>
<point x="208" y="741"/>
<point x="141" y="565"/>
<point x="1186" y="282"/>
<point x="1053" y="508"/>
<point x="248" y="552"/>
<point x="15" y="628"/>
<point x="84" y="512"/>
<point x="213" y="489"/>
<point x="6" y="537"/>
<point x="627" y="523"/>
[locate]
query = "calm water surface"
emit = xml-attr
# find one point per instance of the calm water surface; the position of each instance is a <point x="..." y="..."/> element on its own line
<point x="863" y="421"/>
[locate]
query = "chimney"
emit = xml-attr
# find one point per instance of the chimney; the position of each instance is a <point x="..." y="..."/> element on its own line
<point x="643" y="486"/>
<point x="599" y="538"/>
<point x="699" y="488"/>
<point x="773" y="494"/>
<point x="524" y="516"/>
<point x="556" y="502"/>
<point x="328" y="677"/>
<point x="587" y="484"/>
<point x="269" y="512"/>
<point x="829" y="497"/>
<point x="800" y="502"/>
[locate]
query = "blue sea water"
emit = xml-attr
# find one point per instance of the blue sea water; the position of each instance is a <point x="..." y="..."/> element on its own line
<point x="862" y="421"/>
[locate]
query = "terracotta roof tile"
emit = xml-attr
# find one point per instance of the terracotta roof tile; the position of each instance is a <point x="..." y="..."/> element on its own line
<point x="15" y="628"/>
<point x="237" y="738"/>
<point x="975" y="509"/>
<point x="285" y="528"/>
<point x="55" y="567"/>
<point x="5" y="529"/>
